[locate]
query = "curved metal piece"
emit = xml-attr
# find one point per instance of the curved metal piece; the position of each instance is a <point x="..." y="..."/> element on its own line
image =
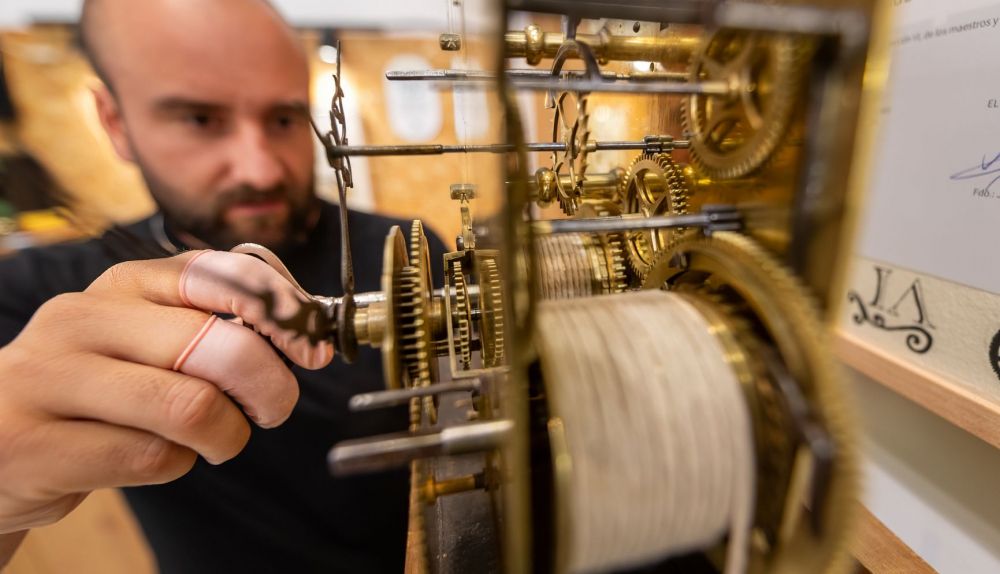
<point x="582" y="51"/>
<point x="316" y="318"/>
<point x="268" y="256"/>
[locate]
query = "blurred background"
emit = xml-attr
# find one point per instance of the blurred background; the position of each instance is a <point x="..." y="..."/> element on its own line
<point x="60" y="178"/>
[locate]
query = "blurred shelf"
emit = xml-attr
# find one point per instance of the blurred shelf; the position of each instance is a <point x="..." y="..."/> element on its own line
<point x="974" y="414"/>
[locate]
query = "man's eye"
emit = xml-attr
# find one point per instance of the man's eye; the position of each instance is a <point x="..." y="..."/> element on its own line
<point x="203" y="121"/>
<point x="286" y="121"/>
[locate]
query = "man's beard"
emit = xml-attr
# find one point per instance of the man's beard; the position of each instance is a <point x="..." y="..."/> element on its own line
<point x="211" y="227"/>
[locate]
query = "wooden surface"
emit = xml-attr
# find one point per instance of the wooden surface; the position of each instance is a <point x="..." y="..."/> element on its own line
<point x="100" y="537"/>
<point x="964" y="409"/>
<point x="51" y="83"/>
<point x="418" y="186"/>
<point x="880" y="552"/>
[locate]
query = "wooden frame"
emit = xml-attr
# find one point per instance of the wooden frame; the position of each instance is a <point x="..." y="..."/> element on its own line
<point x="881" y="552"/>
<point x="976" y="415"/>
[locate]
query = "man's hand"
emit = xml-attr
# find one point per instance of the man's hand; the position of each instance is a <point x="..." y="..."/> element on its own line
<point x="130" y="381"/>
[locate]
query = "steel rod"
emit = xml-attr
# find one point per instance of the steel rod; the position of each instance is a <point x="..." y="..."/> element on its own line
<point x="515" y="75"/>
<point x="395" y="450"/>
<point x="634" y="222"/>
<point x="653" y="87"/>
<point x="437" y="149"/>
<point x="390" y="398"/>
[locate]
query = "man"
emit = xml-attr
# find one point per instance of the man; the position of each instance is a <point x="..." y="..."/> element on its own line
<point x="123" y="376"/>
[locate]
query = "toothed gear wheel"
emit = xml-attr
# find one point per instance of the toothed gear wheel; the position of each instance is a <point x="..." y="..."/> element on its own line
<point x="789" y="320"/>
<point x="655" y="185"/>
<point x="734" y="134"/>
<point x="491" y="321"/>
<point x="462" y="316"/>
<point x="413" y="312"/>
<point x="614" y="250"/>
<point x="394" y="260"/>
<point x="570" y="126"/>
<point x="412" y="327"/>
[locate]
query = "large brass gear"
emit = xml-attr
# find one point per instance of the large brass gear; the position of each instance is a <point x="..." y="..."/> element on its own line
<point x="655" y="185"/>
<point x="413" y="308"/>
<point x="394" y="260"/>
<point x="491" y="313"/>
<point x="462" y="316"/>
<point x="732" y="135"/>
<point x="570" y="126"/>
<point x="414" y="312"/>
<point x="786" y="318"/>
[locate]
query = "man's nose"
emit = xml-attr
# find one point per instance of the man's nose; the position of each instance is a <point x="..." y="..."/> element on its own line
<point x="254" y="161"/>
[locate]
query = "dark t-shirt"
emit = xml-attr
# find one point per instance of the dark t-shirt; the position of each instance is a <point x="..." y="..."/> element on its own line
<point x="273" y="508"/>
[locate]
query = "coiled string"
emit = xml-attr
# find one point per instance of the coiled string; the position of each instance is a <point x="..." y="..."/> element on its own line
<point x="656" y="427"/>
<point x="571" y="265"/>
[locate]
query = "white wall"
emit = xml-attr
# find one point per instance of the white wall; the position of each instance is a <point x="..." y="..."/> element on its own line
<point x="934" y="485"/>
<point x="383" y="14"/>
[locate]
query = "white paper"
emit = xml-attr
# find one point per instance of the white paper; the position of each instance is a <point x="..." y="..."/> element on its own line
<point x="934" y="200"/>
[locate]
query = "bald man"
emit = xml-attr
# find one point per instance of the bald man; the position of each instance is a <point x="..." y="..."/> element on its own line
<point x="123" y="373"/>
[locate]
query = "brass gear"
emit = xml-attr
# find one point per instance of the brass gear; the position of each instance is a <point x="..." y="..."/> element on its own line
<point x="573" y="159"/>
<point x="418" y="358"/>
<point x="613" y="244"/>
<point x="614" y="250"/>
<point x="414" y="315"/>
<point x="412" y="324"/>
<point x="462" y="316"/>
<point x="787" y="316"/>
<point x="394" y="260"/>
<point x="655" y="185"/>
<point x="732" y="135"/>
<point x="491" y="313"/>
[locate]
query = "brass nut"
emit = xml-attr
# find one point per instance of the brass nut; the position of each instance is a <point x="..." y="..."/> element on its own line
<point x="534" y="47"/>
<point x="369" y="324"/>
<point x="545" y="179"/>
<point x="463" y="191"/>
<point x="450" y="42"/>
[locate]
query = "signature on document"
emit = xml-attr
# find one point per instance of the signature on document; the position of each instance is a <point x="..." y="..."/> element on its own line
<point x="988" y="169"/>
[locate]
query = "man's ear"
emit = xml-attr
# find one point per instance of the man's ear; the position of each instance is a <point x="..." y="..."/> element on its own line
<point x="110" y="114"/>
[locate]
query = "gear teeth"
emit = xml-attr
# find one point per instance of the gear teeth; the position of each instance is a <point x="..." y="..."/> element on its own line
<point x="639" y="247"/>
<point x="491" y="302"/>
<point x="615" y="254"/>
<point x="417" y="240"/>
<point x="411" y="313"/>
<point x="412" y="284"/>
<point x="463" y="335"/>
<point x="575" y="138"/>
<point x="788" y="57"/>
<point x="415" y="341"/>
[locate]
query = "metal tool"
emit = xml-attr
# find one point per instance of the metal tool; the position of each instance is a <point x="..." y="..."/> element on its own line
<point x="395" y="450"/>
